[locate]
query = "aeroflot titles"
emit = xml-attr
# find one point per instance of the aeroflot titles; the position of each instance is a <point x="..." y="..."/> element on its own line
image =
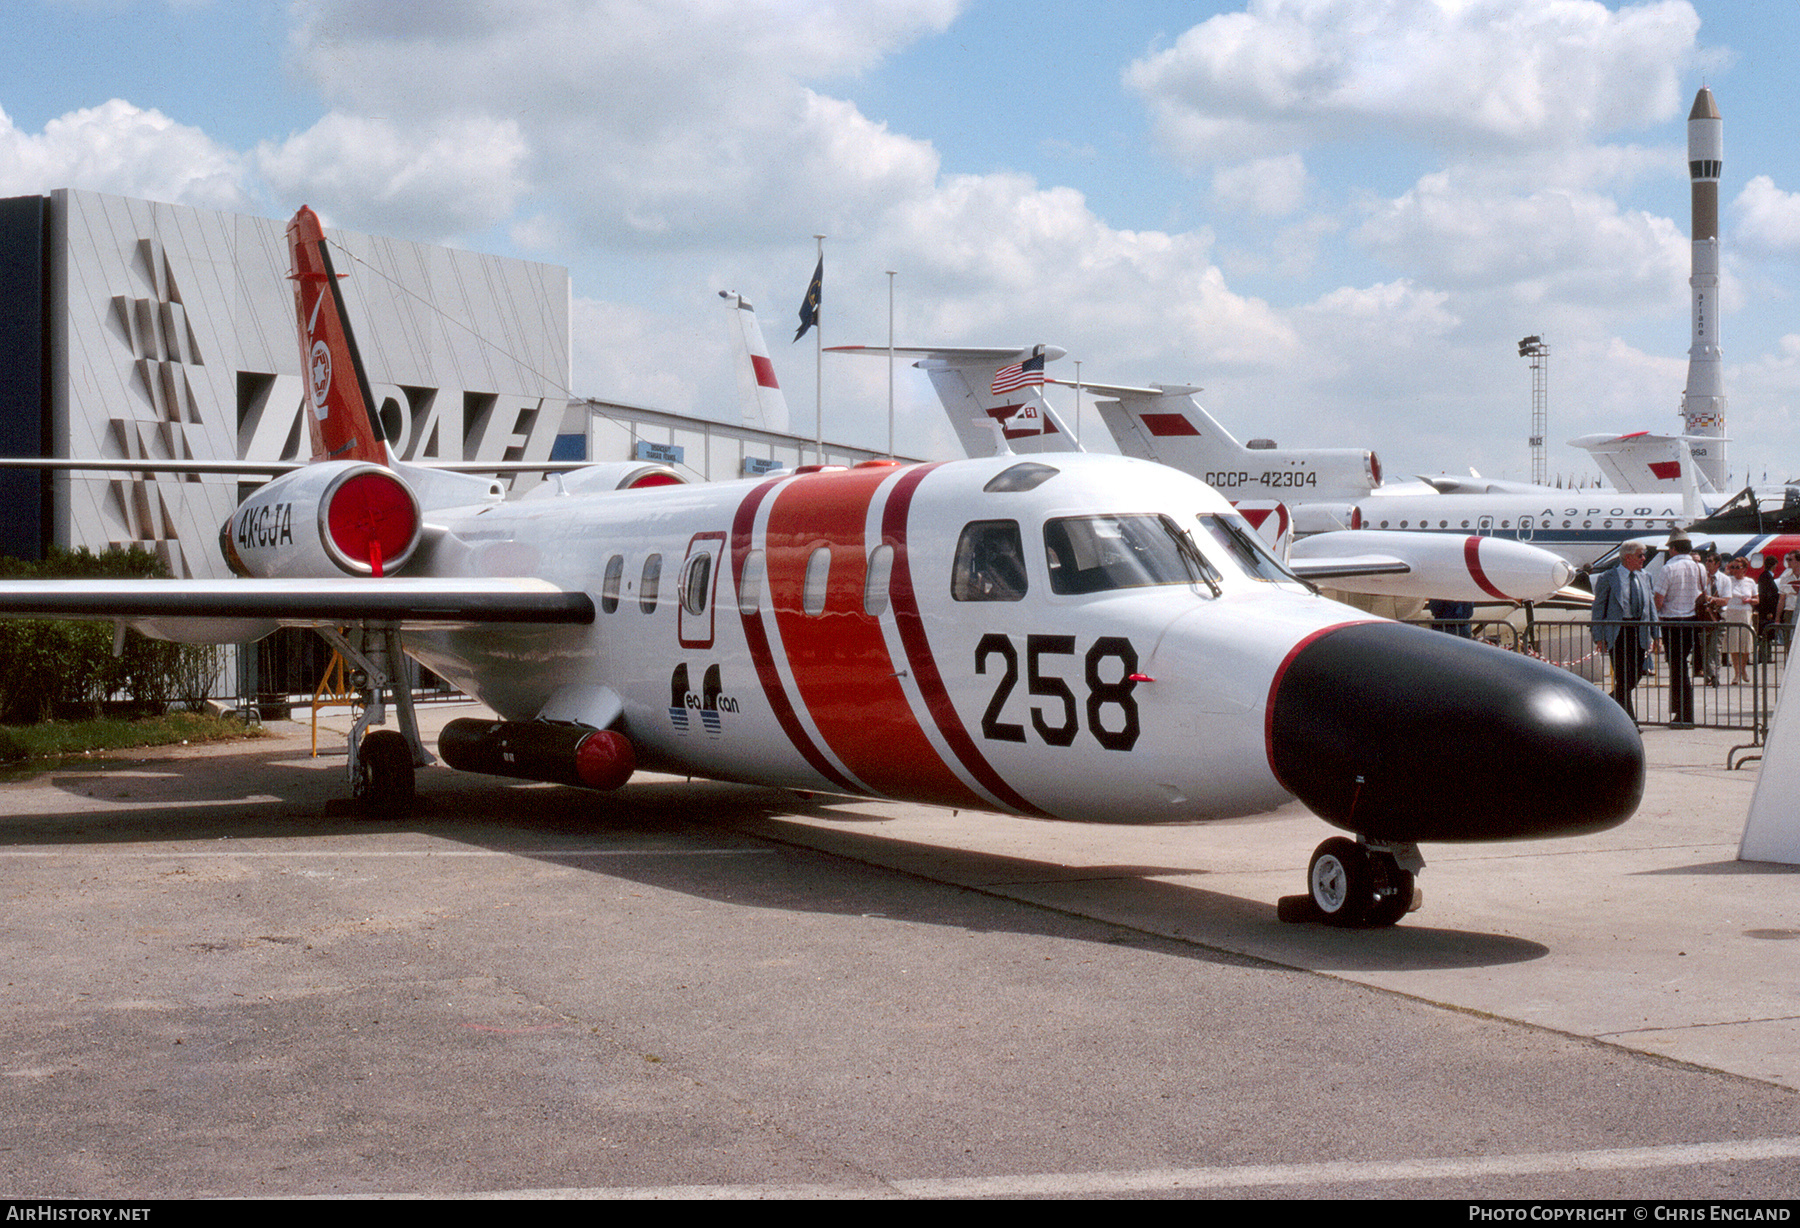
<point x="1650" y="515"/>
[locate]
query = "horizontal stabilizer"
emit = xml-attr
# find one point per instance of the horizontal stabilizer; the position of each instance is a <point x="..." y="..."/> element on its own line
<point x="1643" y="463"/>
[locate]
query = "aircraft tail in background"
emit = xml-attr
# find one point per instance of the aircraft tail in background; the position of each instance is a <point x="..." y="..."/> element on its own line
<point x="764" y="405"/>
<point x="1164" y="423"/>
<point x="340" y="409"/>
<point x="1642" y="462"/>
<point x="981" y="390"/>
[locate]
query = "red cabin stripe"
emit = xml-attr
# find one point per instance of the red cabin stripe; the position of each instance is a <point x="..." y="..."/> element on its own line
<point x="743" y="525"/>
<point x="845" y="678"/>
<point x="919" y="660"/>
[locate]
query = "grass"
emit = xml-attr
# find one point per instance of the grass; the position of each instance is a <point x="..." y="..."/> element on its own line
<point x="49" y="739"/>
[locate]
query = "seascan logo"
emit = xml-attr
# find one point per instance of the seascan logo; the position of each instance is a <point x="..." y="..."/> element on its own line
<point x="321" y="376"/>
<point x="709" y="703"/>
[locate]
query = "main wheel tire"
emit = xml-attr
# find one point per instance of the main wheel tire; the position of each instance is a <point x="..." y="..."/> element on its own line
<point x="1341" y="881"/>
<point x="1398" y="884"/>
<point x="384" y="776"/>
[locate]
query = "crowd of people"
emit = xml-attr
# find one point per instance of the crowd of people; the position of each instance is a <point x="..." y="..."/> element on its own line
<point x="1702" y="613"/>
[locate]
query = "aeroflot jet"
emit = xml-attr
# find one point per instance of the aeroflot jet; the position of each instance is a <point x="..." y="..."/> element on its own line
<point x="1167" y="424"/>
<point x="1089" y="638"/>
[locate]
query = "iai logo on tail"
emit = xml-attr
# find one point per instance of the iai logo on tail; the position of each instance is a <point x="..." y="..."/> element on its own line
<point x="321" y="378"/>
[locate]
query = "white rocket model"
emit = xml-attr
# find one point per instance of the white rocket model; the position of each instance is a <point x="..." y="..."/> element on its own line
<point x="1703" y="404"/>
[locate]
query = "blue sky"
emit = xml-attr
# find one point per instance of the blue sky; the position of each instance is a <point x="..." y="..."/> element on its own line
<point x="1338" y="216"/>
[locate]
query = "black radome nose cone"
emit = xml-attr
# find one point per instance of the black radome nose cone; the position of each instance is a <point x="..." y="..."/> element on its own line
<point x="1404" y="734"/>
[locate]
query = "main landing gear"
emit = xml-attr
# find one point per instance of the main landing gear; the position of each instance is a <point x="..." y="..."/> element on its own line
<point x="382" y="762"/>
<point x="1357" y="883"/>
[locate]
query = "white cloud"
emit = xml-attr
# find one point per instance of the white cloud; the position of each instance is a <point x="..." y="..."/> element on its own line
<point x="644" y="357"/>
<point x="1570" y="246"/>
<point x="434" y="181"/>
<point x="117" y="147"/>
<point x="1273" y="187"/>
<point x="655" y="121"/>
<point x="1767" y="219"/>
<point x="996" y="255"/>
<point x="1497" y="73"/>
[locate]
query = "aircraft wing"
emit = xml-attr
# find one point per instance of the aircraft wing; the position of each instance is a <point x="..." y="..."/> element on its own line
<point x="1349" y="567"/>
<point x="234" y="611"/>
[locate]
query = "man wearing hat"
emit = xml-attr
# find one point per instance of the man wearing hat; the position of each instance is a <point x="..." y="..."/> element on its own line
<point x="1679" y="586"/>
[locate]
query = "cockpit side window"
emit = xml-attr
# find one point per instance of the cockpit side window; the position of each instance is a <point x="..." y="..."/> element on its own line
<point x="1245" y="548"/>
<point x="990" y="562"/>
<point x="1094" y="554"/>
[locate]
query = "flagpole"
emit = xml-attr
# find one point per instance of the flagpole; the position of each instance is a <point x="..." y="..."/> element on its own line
<point x="1078" y="404"/>
<point x="890" y="276"/>
<point x="819" y="371"/>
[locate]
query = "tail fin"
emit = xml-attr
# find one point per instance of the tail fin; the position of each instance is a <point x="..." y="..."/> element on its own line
<point x="1642" y="463"/>
<point x="1164" y="423"/>
<point x="340" y="408"/>
<point x="965" y="380"/>
<point x="761" y="397"/>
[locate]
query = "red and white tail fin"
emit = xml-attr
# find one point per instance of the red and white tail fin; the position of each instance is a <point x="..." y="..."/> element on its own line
<point x="340" y="408"/>
<point x="761" y="397"/>
<point x="1644" y="462"/>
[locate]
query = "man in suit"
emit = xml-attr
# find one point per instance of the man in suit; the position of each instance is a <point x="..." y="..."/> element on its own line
<point x="1624" y="618"/>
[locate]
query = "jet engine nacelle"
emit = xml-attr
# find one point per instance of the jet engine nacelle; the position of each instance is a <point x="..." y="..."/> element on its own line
<point x="604" y="477"/>
<point x="347" y="518"/>
<point x="1310" y="518"/>
<point x="538" y="750"/>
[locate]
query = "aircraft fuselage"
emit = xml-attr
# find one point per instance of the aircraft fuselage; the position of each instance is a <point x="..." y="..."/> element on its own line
<point x="964" y="635"/>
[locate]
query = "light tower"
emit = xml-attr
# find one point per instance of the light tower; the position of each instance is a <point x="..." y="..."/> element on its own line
<point x="1703" y="404"/>
<point x="1538" y="351"/>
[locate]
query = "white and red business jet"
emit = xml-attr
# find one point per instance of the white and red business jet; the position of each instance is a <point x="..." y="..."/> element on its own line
<point x="1079" y="637"/>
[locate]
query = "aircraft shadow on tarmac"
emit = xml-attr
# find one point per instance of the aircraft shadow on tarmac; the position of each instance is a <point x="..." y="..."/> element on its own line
<point x="280" y="793"/>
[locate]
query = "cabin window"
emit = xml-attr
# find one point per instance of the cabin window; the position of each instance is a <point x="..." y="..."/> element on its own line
<point x="751" y="586"/>
<point x="609" y="585"/>
<point x="875" y="585"/>
<point x="1093" y="554"/>
<point x="818" y="571"/>
<point x="647" y="585"/>
<point x="990" y="562"/>
<point x="696" y="583"/>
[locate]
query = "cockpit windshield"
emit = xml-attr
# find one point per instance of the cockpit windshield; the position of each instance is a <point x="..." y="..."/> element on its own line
<point x="1095" y="554"/>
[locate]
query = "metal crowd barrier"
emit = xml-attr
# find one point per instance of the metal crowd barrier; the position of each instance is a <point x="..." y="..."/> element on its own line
<point x="1719" y="701"/>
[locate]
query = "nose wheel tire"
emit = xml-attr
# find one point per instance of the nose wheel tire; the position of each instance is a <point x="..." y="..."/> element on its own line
<point x="1341" y="881"/>
<point x="384" y="776"/>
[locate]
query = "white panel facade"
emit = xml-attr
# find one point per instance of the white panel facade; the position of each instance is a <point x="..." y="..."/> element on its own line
<point x="173" y="338"/>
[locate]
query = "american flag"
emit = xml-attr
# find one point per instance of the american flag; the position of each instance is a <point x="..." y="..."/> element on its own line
<point x="1020" y="375"/>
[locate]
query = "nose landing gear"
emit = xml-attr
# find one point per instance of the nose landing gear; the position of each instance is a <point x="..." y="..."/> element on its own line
<point x="1352" y="883"/>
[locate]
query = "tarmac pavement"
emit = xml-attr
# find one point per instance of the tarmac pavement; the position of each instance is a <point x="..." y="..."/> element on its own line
<point x="217" y="982"/>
